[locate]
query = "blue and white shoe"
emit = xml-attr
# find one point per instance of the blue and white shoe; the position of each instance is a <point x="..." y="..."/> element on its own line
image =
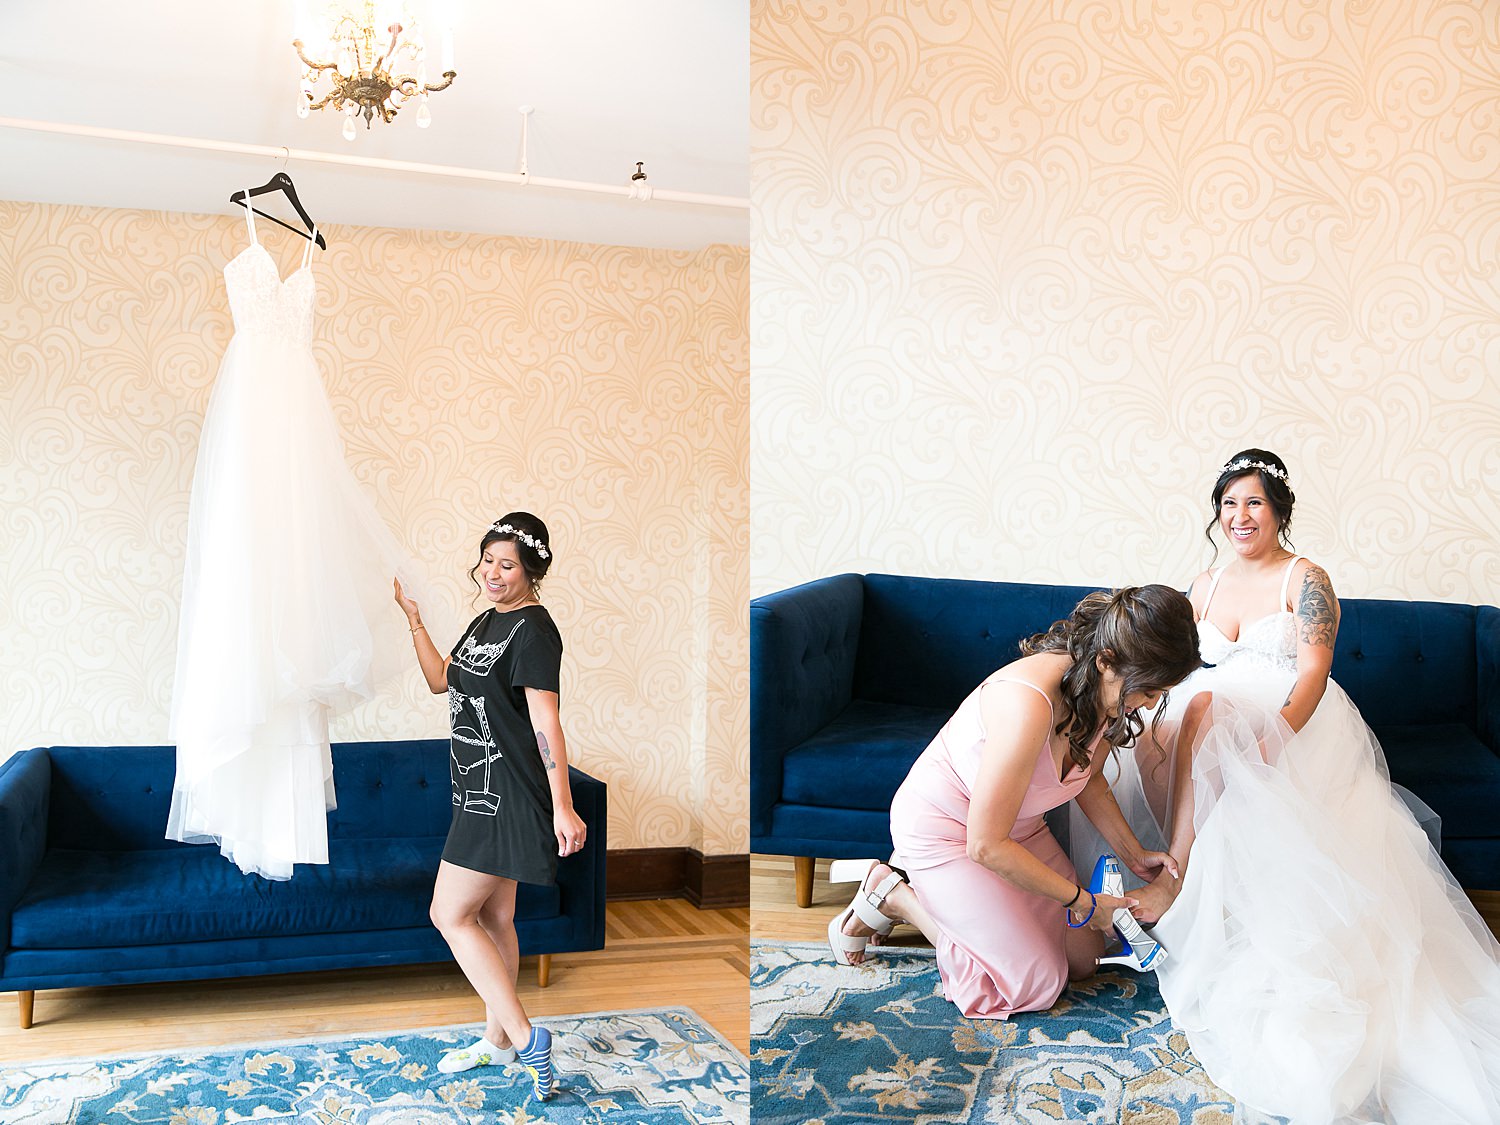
<point x="536" y="1057"/>
<point x="1141" y="951"/>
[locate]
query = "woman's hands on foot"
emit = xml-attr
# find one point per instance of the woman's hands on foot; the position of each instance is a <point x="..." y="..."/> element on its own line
<point x="1148" y="865"/>
<point x="1104" y="910"/>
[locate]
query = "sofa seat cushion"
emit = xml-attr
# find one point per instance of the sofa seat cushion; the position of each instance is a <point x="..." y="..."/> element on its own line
<point x="89" y="900"/>
<point x="1449" y="768"/>
<point x="860" y="759"/>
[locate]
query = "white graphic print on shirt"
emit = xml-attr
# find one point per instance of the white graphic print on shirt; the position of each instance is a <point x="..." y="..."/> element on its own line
<point x="471" y="727"/>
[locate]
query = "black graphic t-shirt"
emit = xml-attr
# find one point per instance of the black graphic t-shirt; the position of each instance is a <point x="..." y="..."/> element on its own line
<point x="502" y="803"/>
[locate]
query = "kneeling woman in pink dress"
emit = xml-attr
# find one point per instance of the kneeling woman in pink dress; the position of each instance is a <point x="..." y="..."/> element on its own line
<point x="989" y="885"/>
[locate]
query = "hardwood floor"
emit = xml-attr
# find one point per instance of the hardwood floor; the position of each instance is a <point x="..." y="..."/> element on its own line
<point x="659" y="953"/>
<point x="775" y="916"/>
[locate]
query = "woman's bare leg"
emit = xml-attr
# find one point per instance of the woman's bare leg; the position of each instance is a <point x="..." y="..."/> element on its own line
<point x="1085" y="945"/>
<point x="498" y="919"/>
<point x="1183" y="832"/>
<point x="458" y="899"/>
<point x="1156" y="897"/>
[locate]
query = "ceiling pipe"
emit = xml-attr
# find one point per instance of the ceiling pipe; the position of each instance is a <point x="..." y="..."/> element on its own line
<point x="280" y="152"/>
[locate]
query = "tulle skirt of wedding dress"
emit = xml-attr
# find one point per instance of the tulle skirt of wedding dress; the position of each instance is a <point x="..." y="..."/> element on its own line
<point x="1322" y="962"/>
<point x="287" y="613"/>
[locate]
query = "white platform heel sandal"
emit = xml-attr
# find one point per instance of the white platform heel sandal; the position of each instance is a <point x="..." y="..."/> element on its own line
<point x="865" y="905"/>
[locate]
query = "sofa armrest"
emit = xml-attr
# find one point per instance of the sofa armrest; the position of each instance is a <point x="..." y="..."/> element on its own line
<point x="581" y="877"/>
<point x="25" y="792"/>
<point x="803" y="643"/>
<point x="1487" y="656"/>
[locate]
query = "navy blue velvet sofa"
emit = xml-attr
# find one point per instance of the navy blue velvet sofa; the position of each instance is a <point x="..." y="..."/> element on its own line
<point x="92" y="894"/>
<point x="851" y="676"/>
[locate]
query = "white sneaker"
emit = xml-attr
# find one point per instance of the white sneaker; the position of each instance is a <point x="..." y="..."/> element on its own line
<point x="481" y="1052"/>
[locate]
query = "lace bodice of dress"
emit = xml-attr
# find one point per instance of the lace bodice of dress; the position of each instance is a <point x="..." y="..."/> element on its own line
<point x="1270" y="642"/>
<point x="265" y="308"/>
<point x="1267" y="643"/>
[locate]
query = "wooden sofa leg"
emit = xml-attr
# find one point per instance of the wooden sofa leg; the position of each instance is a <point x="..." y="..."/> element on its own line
<point x="28" y="1002"/>
<point x="804" y="871"/>
<point x="543" y="970"/>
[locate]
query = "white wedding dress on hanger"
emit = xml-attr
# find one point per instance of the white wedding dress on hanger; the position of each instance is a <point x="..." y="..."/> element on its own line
<point x="1321" y="960"/>
<point x="287" y="610"/>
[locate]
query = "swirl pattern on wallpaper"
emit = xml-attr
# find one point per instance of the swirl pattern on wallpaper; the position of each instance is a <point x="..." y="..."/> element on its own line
<point x="604" y="388"/>
<point x="1026" y="273"/>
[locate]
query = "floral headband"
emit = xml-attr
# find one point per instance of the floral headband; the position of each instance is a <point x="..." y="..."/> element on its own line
<point x="531" y="541"/>
<point x="1270" y="470"/>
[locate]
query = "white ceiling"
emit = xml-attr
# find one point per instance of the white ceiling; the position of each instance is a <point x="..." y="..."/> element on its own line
<point x="611" y="82"/>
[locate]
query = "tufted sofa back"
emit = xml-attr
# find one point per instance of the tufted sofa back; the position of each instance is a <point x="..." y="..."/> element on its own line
<point x="1403" y="663"/>
<point x="1408" y="663"/>
<point x="928" y="641"/>
<point x="108" y="798"/>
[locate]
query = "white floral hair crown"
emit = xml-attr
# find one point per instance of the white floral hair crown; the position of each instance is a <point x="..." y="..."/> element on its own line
<point x="1271" y="470"/>
<point x="531" y="541"/>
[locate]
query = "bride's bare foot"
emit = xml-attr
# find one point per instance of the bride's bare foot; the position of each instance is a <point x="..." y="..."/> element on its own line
<point x="1154" y="899"/>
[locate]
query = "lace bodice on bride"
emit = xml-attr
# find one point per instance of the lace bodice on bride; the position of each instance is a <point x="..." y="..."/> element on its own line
<point x="1268" y="643"/>
<point x="265" y="308"/>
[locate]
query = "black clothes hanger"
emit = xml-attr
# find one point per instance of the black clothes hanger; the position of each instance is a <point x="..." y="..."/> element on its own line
<point x="283" y="183"/>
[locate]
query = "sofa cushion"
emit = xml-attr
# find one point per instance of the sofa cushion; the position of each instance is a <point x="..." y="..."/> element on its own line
<point x="1449" y="768"/>
<point x="860" y="759"/>
<point x="101" y="899"/>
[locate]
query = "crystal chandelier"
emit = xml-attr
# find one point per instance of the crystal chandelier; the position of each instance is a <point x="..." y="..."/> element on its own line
<point x="369" y="75"/>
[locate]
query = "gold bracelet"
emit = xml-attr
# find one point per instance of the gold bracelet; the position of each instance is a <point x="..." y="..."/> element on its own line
<point x="417" y="626"/>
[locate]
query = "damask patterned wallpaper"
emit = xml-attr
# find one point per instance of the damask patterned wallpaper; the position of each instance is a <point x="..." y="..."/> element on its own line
<point x="604" y="388"/>
<point x="1027" y="273"/>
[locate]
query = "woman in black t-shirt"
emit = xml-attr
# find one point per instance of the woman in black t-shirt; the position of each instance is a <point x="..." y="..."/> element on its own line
<point x="511" y="802"/>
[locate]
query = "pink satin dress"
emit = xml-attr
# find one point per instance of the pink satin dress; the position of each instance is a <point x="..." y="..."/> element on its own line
<point x="1001" y="949"/>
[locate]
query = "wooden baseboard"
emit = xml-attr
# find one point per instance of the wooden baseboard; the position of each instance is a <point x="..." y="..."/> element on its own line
<point x="704" y="880"/>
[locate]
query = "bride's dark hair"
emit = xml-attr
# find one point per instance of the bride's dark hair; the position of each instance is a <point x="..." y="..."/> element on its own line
<point x="533" y="546"/>
<point x="1143" y="634"/>
<point x="1277" y="490"/>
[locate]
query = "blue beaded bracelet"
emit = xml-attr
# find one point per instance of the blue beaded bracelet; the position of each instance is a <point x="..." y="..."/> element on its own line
<point x="1093" y="906"/>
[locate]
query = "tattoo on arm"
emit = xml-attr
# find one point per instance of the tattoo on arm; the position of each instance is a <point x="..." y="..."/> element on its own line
<point x="541" y="744"/>
<point x="1317" y="614"/>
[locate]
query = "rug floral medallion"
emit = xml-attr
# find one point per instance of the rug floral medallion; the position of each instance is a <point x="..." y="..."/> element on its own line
<point x="661" y="1066"/>
<point x="833" y="1045"/>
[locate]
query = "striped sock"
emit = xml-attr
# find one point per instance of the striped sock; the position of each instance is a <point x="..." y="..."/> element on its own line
<point x="536" y="1057"/>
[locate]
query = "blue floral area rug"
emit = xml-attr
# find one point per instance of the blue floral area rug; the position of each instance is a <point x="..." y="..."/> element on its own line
<point x="660" y="1066"/>
<point x="833" y="1045"/>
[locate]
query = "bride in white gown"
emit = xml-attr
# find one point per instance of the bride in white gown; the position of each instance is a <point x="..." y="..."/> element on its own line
<point x="286" y="589"/>
<point x="1322" y="962"/>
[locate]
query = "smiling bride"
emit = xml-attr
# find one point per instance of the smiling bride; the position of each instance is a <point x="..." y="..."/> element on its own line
<point x="1324" y="964"/>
